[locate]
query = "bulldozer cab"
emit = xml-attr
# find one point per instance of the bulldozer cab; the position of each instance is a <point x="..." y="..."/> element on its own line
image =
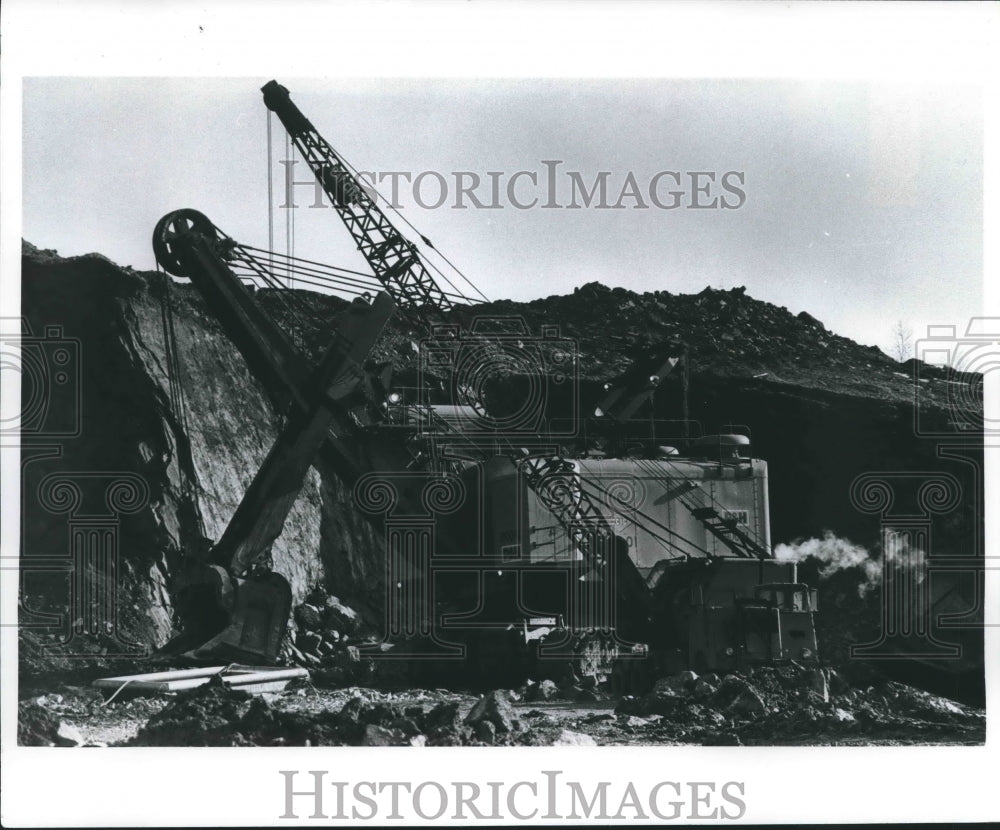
<point x="777" y="624"/>
<point x="787" y="596"/>
<point x="771" y="623"/>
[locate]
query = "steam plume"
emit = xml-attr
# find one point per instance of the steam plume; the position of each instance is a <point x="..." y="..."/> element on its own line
<point x="834" y="554"/>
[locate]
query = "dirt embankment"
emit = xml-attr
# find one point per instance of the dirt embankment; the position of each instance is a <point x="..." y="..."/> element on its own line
<point x="181" y="439"/>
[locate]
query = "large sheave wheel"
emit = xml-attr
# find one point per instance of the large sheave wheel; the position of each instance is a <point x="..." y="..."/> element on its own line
<point x="173" y="227"/>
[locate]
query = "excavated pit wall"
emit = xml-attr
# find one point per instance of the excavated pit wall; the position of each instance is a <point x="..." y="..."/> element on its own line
<point x="195" y="467"/>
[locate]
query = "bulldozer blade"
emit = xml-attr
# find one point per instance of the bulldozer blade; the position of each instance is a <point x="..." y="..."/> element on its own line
<point x="258" y="609"/>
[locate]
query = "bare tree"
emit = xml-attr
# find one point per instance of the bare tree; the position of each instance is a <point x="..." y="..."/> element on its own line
<point x="901" y="347"/>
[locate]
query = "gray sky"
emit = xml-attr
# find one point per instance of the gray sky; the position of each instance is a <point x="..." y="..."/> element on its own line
<point x="863" y="202"/>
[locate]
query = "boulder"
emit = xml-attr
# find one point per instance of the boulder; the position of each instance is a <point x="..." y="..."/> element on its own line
<point x="317" y="596"/>
<point x="737" y="697"/>
<point x="676" y="684"/>
<point x="672" y="706"/>
<point x="341" y="617"/>
<point x="444" y="717"/>
<point x="546" y="690"/>
<point x="350" y="712"/>
<point x="703" y="689"/>
<point x="495" y="708"/>
<point x="308" y="617"/>
<point x="308" y="642"/>
<point x="485" y="732"/>
<point x="380" y="712"/>
<point x="375" y="735"/>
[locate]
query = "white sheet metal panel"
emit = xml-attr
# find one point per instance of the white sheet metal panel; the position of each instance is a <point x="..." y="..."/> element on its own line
<point x="647" y="502"/>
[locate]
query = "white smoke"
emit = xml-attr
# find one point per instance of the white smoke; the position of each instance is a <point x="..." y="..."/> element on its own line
<point x="899" y="551"/>
<point x="834" y="554"/>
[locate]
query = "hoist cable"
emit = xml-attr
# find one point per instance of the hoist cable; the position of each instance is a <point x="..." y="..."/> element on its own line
<point x="175" y="381"/>
<point x="335" y="272"/>
<point x="270" y="190"/>
<point x="413" y="228"/>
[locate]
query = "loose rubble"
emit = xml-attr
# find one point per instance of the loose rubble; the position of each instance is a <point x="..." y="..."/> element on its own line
<point x="728" y="332"/>
<point x="787" y="705"/>
<point x="213" y="715"/>
<point x="79" y="717"/>
<point x="797" y="705"/>
<point x="333" y="640"/>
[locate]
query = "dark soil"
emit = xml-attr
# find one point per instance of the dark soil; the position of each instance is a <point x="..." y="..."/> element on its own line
<point x="791" y="705"/>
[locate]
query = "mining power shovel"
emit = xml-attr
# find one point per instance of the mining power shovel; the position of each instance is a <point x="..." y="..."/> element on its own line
<point x="233" y="612"/>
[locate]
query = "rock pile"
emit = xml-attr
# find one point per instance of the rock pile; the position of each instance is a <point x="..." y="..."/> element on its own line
<point x="786" y="705"/>
<point x="215" y="715"/>
<point x="793" y="704"/>
<point x="39" y="725"/>
<point x="332" y="640"/>
<point x="586" y="689"/>
<point x="727" y="331"/>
